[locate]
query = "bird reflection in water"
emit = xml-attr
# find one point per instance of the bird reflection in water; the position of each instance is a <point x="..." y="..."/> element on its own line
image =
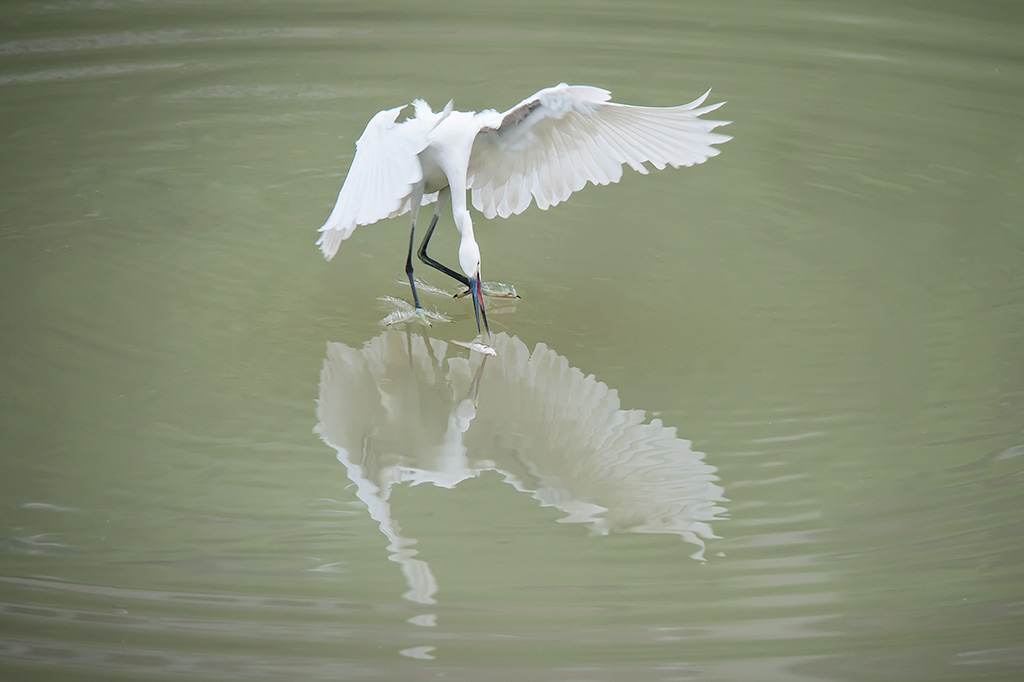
<point x="400" y="410"/>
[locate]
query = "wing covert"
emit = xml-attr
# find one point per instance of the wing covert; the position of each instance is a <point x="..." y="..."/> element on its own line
<point x="555" y="142"/>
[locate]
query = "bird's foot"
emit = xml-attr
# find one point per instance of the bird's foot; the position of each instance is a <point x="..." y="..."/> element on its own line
<point x="402" y="312"/>
<point x="420" y="315"/>
<point x="494" y="290"/>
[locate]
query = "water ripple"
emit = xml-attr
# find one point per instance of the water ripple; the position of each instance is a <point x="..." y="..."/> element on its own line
<point x="70" y="73"/>
<point x="135" y="39"/>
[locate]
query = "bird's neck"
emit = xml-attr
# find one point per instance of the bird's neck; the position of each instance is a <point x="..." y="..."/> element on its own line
<point x="469" y="252"/>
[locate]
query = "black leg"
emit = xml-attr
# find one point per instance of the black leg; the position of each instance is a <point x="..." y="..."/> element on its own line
<point x="430" y="261"/>
<point x="408" y="266"/>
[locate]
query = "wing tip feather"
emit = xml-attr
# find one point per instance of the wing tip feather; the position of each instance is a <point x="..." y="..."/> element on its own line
<point x="329" y="242"/>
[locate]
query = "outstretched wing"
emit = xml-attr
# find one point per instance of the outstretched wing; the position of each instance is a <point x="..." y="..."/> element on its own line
<point x="555" y="142"/>
<point x="379" y="182"/>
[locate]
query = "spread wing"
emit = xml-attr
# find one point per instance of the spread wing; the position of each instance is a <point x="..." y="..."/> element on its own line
<point x="380" y="181"/>
<point x="555" y="142"/>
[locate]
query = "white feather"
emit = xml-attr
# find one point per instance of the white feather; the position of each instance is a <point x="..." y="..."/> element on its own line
<point x="381" y="179"/>
<point x="555" y="142"/>
<point x="540" y="151"/>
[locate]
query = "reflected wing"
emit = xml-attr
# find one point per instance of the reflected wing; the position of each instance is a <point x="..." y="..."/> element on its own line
<point x="555" y="142"/>
<point x="380" y="180"/>
<point x="563" y="437"/>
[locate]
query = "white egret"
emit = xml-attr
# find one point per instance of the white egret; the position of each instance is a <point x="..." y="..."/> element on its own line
<point x="541" y="150"/>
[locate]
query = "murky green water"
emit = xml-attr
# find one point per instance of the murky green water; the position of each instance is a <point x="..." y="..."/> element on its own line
<point x="210" y="447"/>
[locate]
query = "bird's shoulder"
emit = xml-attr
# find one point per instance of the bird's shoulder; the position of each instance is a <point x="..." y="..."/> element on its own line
<point x="555" y="102"/>
<point x="384" y="130"/>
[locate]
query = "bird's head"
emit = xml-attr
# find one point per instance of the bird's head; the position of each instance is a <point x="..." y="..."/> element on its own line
<point x="469" y="260"/>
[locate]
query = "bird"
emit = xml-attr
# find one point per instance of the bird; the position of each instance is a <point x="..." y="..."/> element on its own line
<point x="539" y="152"/>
